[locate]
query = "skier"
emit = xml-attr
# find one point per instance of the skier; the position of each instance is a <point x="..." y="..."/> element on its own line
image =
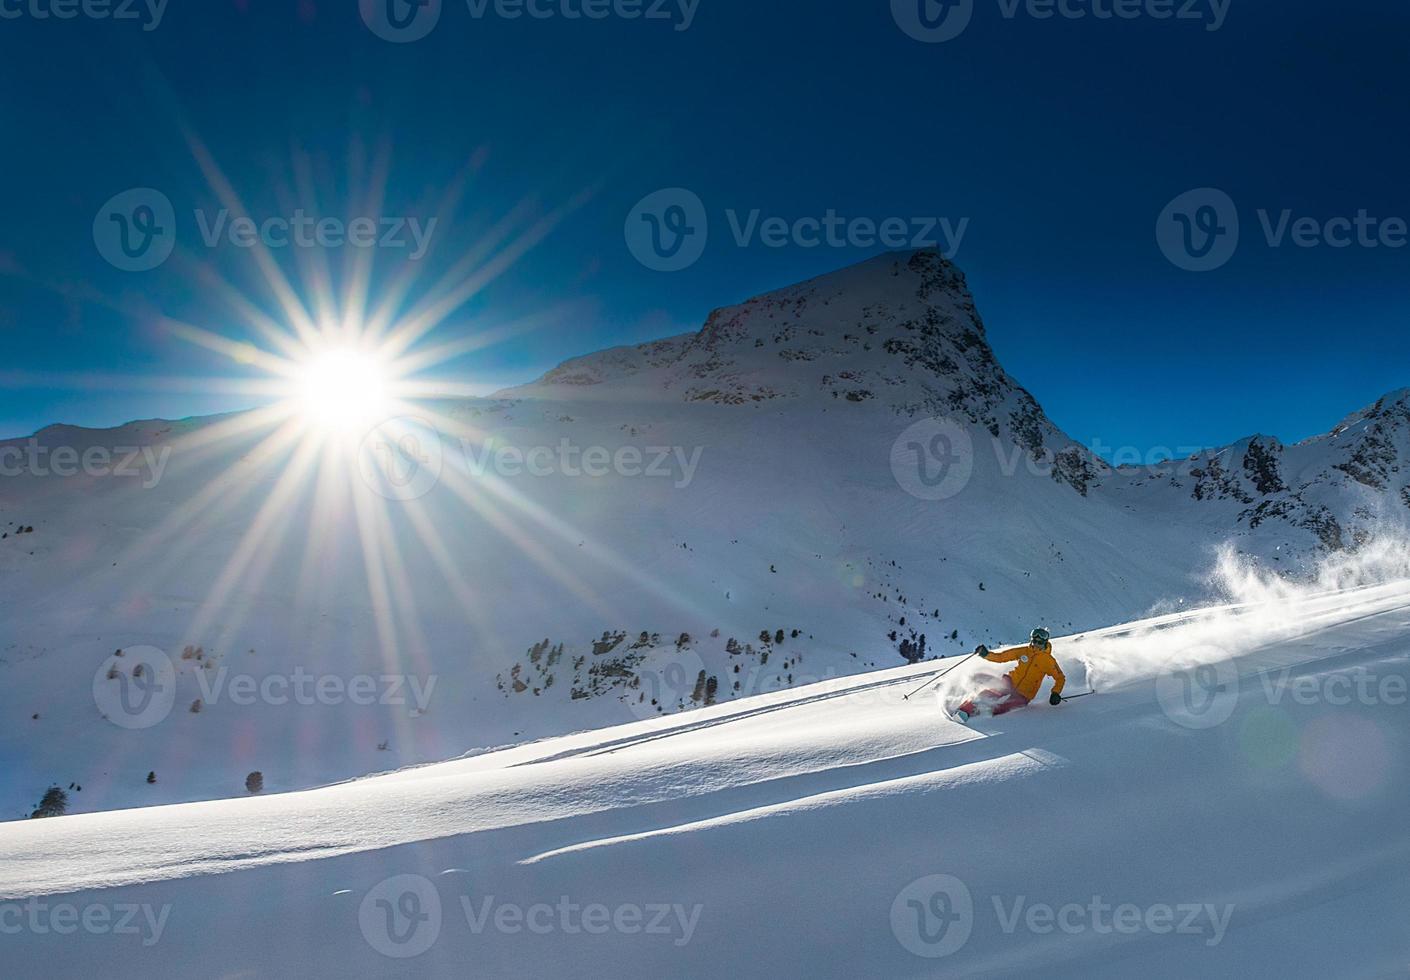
<point x="1020" y="685"/>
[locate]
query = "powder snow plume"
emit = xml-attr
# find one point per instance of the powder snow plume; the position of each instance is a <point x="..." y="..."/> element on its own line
<point x="1258" y="604"/>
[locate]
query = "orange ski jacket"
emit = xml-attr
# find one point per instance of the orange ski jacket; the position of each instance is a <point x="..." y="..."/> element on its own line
<point x="1034" y="663"/>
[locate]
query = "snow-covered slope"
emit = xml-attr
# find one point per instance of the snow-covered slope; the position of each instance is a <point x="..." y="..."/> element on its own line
<point x="1246" y="824"/>
<point x="771" y="484"/>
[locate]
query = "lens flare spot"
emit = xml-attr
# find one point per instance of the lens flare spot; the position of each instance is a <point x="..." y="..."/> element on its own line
<point x="1269" y="739"/>
<point x="1345" y="757"/>
<point x="343" y="389"/>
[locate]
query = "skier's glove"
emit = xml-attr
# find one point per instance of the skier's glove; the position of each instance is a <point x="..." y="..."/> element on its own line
<point x="1055" y="699"/>
<point x="982" y="652"/>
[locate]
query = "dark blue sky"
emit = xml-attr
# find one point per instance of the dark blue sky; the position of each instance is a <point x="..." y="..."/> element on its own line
<point x="1060" y="140"/>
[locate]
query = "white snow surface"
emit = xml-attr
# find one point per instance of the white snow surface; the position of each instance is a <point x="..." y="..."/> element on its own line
<point x="782" y="833"/>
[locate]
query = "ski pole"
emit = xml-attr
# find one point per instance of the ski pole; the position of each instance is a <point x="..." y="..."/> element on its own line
<point x="1084" y="694"/>
<point x="937" y="680"/>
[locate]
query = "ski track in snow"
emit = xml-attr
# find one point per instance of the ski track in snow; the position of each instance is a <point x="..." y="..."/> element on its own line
<point x="793" y="821"/>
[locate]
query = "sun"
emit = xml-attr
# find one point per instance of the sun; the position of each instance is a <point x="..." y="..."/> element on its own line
<point x="342" y="388"/>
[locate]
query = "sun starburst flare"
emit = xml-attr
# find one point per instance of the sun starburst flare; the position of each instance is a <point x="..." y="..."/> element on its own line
<point x="344" y="375"/>
<point x="343" y="389"/>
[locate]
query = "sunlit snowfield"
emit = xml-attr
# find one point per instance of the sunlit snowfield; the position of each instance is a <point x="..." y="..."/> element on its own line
<point x="1251" y="824"/>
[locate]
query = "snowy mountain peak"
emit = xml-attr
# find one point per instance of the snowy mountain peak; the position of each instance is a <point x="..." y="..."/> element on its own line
<point x="898" y="333"/>
<point x="885" y="318"/>
<point x="1393" y="407"/>
<point x="1346" y="487"/>
<point x="890" y="285"/>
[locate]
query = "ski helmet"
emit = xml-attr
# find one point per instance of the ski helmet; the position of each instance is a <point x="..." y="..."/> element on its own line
<point x="1041" y="636"/>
